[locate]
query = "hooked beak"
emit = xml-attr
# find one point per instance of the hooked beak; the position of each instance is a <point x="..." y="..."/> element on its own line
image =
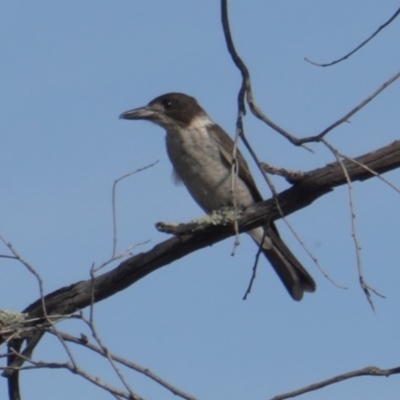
<point x="138" y="113"/>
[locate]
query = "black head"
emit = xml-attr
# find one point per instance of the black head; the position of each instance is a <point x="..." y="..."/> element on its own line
<point x="171" y="109"/>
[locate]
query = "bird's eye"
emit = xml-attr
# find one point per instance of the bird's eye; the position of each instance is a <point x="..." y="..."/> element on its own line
<point x="167" y="104"/>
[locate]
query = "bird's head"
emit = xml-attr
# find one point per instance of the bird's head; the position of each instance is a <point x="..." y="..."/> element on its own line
<point x="171" y="110"/>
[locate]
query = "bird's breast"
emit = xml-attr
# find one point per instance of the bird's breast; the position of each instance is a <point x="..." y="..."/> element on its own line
<point x="197" y="160"/>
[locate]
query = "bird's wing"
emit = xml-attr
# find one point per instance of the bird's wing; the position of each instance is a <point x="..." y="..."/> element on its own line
<point x="226" y="150"/>
<point x="293" y="275"/>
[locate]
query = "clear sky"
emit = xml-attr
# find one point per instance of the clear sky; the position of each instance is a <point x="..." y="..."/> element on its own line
<point x="69" y="68"/>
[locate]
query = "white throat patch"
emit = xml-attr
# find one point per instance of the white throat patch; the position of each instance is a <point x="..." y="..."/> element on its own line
<point x="200" y="122"/>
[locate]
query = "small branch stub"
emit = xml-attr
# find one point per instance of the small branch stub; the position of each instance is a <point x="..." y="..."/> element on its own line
<point x="224" y="216"/>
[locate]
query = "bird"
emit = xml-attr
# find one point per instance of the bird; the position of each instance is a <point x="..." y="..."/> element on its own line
<point x="201" y="153"/>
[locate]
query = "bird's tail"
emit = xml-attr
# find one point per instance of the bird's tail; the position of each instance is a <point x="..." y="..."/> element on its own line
<point x="292" y="274"/>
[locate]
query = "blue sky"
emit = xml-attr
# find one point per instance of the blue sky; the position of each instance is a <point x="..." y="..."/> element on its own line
<point x="70" y="68"/>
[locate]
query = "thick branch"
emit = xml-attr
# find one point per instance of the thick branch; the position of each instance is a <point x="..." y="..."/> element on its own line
<point x="315" y="184"/>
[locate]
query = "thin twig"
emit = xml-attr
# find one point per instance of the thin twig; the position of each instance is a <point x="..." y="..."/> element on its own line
<point x="359" y="46"/>
<point x="78" y="371"/>
<point x="379" y="176"/>
<point x="143" y="370"/>
<point x="254" y="269"/>
<point x="106" y="353"/>
<point x="246" y="80"/>
<point x="368" y="371"/>
<point x="13" y="378"/>
<point x="118" y="256"/>
<point x="241" y="107"/>
<point x="245" y="89"/>
<point x="29" y="267"/>
<point x="356" y="109"/>
<point x="234" y="177"/>
<point x="114" y="208"/>
<point x="365" y="287"/>
<point x="6" y="256"/>
<point x="285" y="220"/>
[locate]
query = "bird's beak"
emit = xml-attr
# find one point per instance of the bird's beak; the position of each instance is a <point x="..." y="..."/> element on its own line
<point x="138" y="113"/>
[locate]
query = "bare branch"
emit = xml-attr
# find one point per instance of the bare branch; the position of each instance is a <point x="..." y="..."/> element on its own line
<point x="368" y="371"/>
<point x="371" y="171"/>
<point x="106" y="353"/>
<point x="290" y="175"/>
<point x="27" y="265"/>
<point x="114" y="207"/>
<point x="355" y="110"/>
<point x="143" y="370"/>
<point x="246" y="89"/>
<point x="354" y="234"/>
<point x="78" y="371"/>
<point x="246" y="81"/>
<point x="389" y="21"/>
<point x="316" y="183"/>
<point x="254" y="269"/>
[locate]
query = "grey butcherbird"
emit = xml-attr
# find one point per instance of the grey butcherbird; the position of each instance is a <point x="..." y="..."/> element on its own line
<point x="201" y="154"/>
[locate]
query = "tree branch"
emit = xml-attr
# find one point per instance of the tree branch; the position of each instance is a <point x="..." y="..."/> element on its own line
<point x="368" y="371"/>
<point x="315" y="184"/>
<point x="369" y="38"/>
